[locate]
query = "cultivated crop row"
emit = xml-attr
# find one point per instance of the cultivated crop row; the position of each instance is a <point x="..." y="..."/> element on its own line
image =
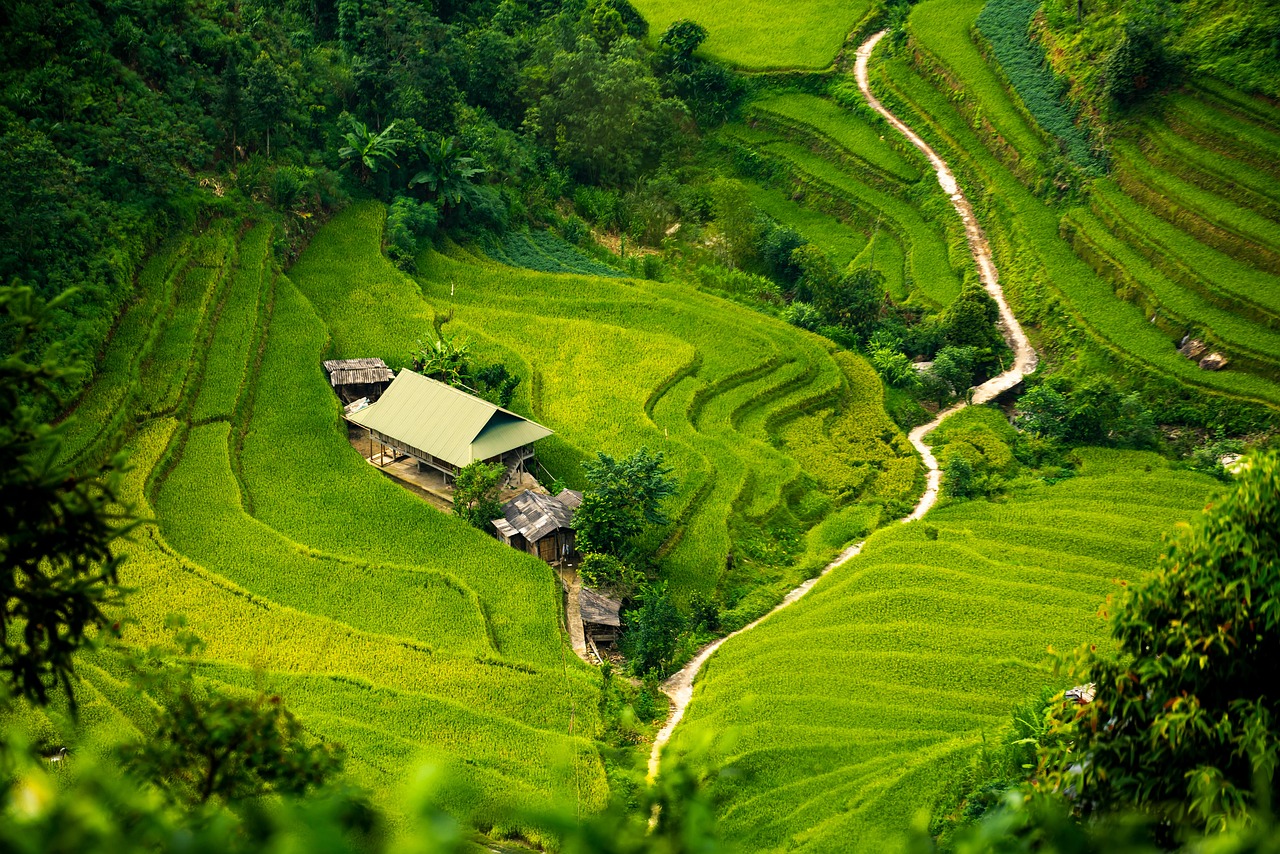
<point x="845" y="714"/>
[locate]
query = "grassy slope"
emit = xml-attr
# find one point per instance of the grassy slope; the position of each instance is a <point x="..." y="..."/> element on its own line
<point x="836" y="159"/>
<point x="1037" y="265"/>
<point x="761" y="36"/>
<point x="392" y="628"/>
<point x="615" y="364"/>
<point x="845" y="715"/>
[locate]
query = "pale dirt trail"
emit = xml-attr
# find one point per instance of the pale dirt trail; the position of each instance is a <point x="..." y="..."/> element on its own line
<point x="680" y="686"/>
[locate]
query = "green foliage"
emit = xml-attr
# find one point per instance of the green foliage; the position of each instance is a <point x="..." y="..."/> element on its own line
<point x="652" y="630"/>
<point x="446" y="359"/>
<point x="607" y="572"/>
<point x="1005" y="24"/>
<point x="737" y="221"/>
<point x="1137" y="66"/>
<point x="368" y="151"/>
<point x="1091" y="411"/>
<point x="622" y="501"/>
<point x="59" y="558"/>
<point x="601" y="111"/>
<point x="408" y="223"/>
<point x="678" y="44"/>
<point x="475" y="493"/>
<point x="893" y="366"/>
<point x="1184" y="724"/>
<point x="853" y="300"/>
<point x="998" y="770"/>
<point x="448" y="173"/>
<point x="208" y="745"/>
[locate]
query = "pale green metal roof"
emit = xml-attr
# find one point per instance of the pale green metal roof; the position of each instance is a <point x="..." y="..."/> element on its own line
<point x="446" y="422"/>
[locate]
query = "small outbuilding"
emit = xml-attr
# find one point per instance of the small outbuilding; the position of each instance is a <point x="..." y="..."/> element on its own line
<point x="600" y="616"/>
<point x="353" y="379"/>
<point x="541" y="525"/>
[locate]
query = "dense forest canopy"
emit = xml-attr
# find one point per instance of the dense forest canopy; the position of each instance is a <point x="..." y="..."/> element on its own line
<point x="126" y="121"/>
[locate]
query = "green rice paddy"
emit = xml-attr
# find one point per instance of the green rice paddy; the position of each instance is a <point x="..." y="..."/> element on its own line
<point x="388" y="626"/>
<point x="839" y="720"/>
<point x="763" y="36"/>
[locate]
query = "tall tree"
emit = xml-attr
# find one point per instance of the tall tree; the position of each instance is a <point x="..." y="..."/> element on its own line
<point x="624" y="499"/>
<point x="58" y="527"/>
<point x="1186" y="720"/>
<point x="475" y="493"/>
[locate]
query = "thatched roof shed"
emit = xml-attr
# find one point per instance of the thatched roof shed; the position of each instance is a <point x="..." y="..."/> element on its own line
<point x="599" y="609"/>
<point x="356" y="378"/>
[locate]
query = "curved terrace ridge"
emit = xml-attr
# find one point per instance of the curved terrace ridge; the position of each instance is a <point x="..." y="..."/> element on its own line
<point x="679" y="687"/>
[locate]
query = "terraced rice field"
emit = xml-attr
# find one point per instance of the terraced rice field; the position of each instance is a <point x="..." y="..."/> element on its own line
<point x="617" y="364"/>
<point x="388" y="626"/>
<point x="1059" y="266"/>
<point x="762" y="36"/>
<point x="851" y="166"/>
<point x="838" y="720"/>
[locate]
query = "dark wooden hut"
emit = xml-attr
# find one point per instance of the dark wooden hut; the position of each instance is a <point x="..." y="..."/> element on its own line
<point x="541" y="525"/>
<point x="353" y="379"/>
<point x="600" y="615"/>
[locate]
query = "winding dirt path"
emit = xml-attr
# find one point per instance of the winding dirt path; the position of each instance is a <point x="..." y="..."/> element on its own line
<point x="680" y="686"/>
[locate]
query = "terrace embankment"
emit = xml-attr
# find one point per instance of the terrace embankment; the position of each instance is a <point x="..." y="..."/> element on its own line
<point x="680" y="686"/>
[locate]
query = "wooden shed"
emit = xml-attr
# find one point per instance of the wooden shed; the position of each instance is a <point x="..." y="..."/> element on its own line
<point x="600" y="615"/>
<point x="353" y="379"/>
<point x="541" y="525"/>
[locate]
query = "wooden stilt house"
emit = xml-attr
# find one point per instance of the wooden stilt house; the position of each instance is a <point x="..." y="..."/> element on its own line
<point x="445" y="428"/>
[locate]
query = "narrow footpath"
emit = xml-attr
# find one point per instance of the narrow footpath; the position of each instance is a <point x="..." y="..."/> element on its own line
<point x="679" y="688"/>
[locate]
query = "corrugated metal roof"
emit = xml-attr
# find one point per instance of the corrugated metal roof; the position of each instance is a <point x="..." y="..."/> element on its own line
<point x="331" y="365"/>
<point x="356" y="371"/>
<point x="598" y="609"/>
<point x="536" y="515"/>
<point x="447" y="423"/>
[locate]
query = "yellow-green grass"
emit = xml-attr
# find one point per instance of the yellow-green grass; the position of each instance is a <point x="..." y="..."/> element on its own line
<point x="806" y="34"/>
<point x="1224" y="280"/>
<point x="850" y="131"/>
<point x="101" y="411"/>
<point x="1204" y="214"/>
<point x="611" y="365"/>
<point x="928" y="266"/>
<point x="237" y="329"/>
<point x="837" y="721"/>
<point x="1186" y="311"/>
<point x="1220" y="128"/>
<point x="942" y="28"/>
<point x="180" y="347"/>
<point x="403" y="632"/>
<point x="1038" y="268"/>
<point x="1210" y="168"/>
<point x="838" y="239"/>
